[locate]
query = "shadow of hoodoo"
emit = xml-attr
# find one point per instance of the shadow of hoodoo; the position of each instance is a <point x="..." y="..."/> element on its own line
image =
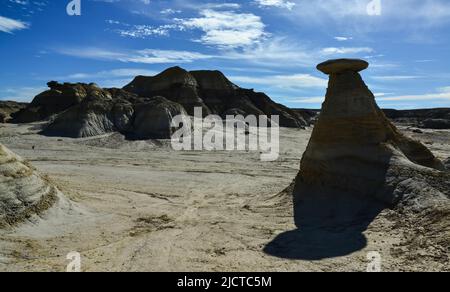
<point x="350" y="171"/>
<point x="330" y="224"/>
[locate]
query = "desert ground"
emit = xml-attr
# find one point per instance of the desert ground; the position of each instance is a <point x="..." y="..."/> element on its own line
<point x="140" y="206"/>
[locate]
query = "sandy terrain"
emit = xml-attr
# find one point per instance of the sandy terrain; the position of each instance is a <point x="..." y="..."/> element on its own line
<point x="139" y="206"/>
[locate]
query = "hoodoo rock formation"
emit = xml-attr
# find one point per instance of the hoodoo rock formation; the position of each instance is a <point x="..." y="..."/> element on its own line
<point x="357" y="165"/>
<point x="353" y="144"/>
<point x="23" y="192"/>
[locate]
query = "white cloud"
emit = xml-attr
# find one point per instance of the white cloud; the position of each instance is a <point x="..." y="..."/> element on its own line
<point x="295" y="81"/>
<point x="227" y="29"/>
<point x="222" y="5"/>
<point x="170" y="11"/>
<point x="308" y="100"/>
<point x="111" y="78"/>
<point x="146" y="56"/>
<point x="276" y="52"/>
<point x="9" y="25"/>
<point x="342" y="38"/>
<point x="442" y="94"/>
<point x="115" y="73"/>
<point x="271" y="52"/>
<point x="381" y="94"/>
<point x="22" y="94"/>
<point x="445" y="89"/>
<point x="144" y="31"/>
<point x="276" y="3"/>
<point x="343" y="51"/>
<point x="395" y="77"/>
<point x="321" y="99"/>
<point x="405" y="15"/>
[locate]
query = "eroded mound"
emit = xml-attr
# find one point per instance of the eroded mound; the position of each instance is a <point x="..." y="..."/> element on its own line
<point x="114" y="110"/>
<point x="23" y="192"/>
<point x="153" y="119"/>
<point x="214" y="93"/>
<point x="57" y="99"/>
<point x="8" y="109"/>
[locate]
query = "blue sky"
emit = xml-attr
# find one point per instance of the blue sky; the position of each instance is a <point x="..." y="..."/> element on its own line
<point x="270" y="45"/>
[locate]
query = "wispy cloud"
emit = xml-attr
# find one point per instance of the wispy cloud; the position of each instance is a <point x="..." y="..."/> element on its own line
<point x="9" y="25"/>
<point x="116" y="73"/>
<point x="307" y="100"/>
<point x="342" y="38"/>
<point x="442" y="93"/>
<point x="346" y="50"/>
<point x="142" y="31"/>
<point x="110" y="78"/>
<point x="145" y="56"/>
<point x="351" y="15"/>
<point x="396" y="77"/>
<point x="271" y="52"/>
<point x="226" y="29"/>
<point x="276" y="3"/>
<point x="294" y="81"/>
<point x="275" y="52"/>
<point x="22" y="94"/>
<point x="220" y="25"/>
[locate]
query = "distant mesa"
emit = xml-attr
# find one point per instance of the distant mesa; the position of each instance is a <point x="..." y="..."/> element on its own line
<point x="23" y="192"/>
<point x="143" y="108"/>
<point x="434" y="118"/>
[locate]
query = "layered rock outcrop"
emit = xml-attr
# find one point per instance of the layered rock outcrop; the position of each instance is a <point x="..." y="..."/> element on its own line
<point x="435" y="118"/>
<point x="115" y="110"/>
<point x="94" y="115"/>
<point x="154" y="117"/>
<point x="57" y="99"/>
<point x="212" y="91"/>
<point x="23" y="192"/>
<point x="175" y="84"/>
<point x="8" y="109"/>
